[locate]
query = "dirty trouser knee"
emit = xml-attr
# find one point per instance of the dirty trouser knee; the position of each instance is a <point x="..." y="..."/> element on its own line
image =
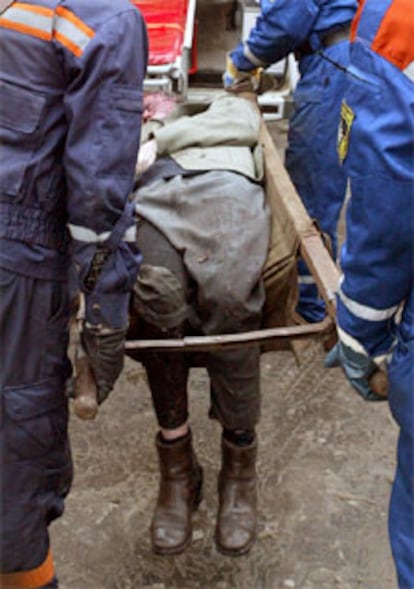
<point x="401" y="399"/>
<point x="221" y="306"/>
<point x="160" y="301"/>
<point x="235" y="373"/>
<point x="35" y="457"/>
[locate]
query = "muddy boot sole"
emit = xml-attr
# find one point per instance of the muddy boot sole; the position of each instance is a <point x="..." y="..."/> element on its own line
<point x="235" y="551"/>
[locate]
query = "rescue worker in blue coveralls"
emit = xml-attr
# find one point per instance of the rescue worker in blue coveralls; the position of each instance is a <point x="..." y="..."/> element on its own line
<point x="71" y="102"/>
<point x="317" y="32"/>
<point x="376" y="295"/>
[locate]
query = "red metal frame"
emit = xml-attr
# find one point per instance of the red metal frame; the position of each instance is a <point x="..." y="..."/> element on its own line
<point x="166" y="22"/>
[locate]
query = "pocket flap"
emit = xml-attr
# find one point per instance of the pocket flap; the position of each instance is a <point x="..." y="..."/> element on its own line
<point x="21" y="109"/>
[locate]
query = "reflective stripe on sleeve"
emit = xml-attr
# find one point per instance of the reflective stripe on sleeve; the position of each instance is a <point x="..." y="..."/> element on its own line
<point x="349" y="341"/>
<point x="71" y="32"/>
<point x="36" y="21"/>
<point x="306" y="279"/>
<point x="87" y="235"/>
<point x="251" y="56"/>
<point x="43" y="23"/>
<point x="364" y="311"/>
<point x="38" y="577"/>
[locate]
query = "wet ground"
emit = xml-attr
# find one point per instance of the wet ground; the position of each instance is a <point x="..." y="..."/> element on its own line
<point x="325" y="467"/>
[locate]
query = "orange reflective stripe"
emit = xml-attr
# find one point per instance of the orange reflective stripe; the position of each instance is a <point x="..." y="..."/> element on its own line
<point x="42" y="10"/>
<point x="26" y="30"/>
<point x="69" y="45"/>
<point x="72" y="32"/>
<point x="395" y="37"/>
<point x="44" y="23"/>
<point x="66" y="14"/>
<point x="32" y="579"/>
<point x="28" y="19"/>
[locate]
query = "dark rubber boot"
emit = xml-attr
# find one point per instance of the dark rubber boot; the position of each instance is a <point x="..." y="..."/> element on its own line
<point x="179" y="495"/>
<point x="237" y="514"/>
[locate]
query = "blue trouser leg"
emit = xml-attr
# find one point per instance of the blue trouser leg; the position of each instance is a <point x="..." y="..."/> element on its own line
<point x="401" y="513"/>
<point x="35" y="458"/>
<point x="311" y="156"/>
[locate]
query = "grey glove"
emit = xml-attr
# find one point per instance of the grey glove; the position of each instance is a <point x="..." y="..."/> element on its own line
<point x="358" y="369"/>
<point x="105" y="350"/>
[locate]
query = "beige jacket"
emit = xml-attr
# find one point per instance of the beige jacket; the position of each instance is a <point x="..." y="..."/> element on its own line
<point x="225" y="136"/>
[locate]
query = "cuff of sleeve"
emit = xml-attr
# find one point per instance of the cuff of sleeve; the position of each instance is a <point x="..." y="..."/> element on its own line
<point x="244" y="60"/>
<point x="107" y="310"/>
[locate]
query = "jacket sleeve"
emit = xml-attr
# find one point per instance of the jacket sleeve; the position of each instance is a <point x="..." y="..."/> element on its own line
<point x="377" y="258"/>
<point x="103" y="106"/>
<point x="280" y="28"/>
<point x="378" y="262"/>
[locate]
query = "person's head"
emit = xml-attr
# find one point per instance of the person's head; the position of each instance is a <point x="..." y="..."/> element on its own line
<point x="158" y="105"/>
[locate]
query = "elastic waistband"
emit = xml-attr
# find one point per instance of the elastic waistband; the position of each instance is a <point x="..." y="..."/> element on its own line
<point x="332" y="37"/>
<point x="32" y="226"/>
<point x="336" y="36"/>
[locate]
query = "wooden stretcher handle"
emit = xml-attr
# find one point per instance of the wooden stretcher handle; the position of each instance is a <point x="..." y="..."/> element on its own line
<point x="379" y="383"/>
<point x="86" y="398"/>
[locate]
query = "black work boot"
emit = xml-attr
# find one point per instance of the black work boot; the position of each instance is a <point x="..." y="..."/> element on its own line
<point x="179" y="495"/>
<point x="237" y="516"/>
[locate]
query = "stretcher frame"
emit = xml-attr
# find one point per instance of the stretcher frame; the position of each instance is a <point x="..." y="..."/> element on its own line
<point x="173" y="76"/>
<point x="285" y="202"/>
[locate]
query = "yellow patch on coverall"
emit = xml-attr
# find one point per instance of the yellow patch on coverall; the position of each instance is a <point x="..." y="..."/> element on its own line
<point x="344" y="130"/>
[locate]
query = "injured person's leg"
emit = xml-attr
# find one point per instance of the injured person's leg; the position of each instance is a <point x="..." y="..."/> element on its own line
<point x="168" y="305"/>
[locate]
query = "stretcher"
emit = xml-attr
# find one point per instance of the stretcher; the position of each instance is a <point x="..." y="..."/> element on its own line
<point x="171" y="28"/>
<point x="293" y="235"/>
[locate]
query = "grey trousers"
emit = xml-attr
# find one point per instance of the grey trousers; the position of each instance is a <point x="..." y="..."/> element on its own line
<point x="204" y="242"/>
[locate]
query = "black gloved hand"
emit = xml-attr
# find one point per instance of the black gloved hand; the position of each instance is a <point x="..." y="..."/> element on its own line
<point x="105" y="350"/>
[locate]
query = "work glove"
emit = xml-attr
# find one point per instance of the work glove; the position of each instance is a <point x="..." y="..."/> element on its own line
<point x="358" y="369"/>
<point x="105" y="350"/>
<point x="236" y="81"/>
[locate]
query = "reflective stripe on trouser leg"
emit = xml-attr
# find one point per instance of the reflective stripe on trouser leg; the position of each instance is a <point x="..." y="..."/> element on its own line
<point x="311" y="306"/>
<point x="41" y="576"/>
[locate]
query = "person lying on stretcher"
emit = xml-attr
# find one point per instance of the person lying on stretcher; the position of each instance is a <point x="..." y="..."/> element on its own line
<point x="203" y="231"/>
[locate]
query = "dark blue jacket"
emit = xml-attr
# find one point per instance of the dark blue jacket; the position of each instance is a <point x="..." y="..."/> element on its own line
<point x="71" y="101"/>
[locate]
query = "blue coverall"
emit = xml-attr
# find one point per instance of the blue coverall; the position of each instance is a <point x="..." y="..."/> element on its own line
<point x="377" y="146"/>
<point x="71" y="74"/>
<point x="310" y="28"/>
